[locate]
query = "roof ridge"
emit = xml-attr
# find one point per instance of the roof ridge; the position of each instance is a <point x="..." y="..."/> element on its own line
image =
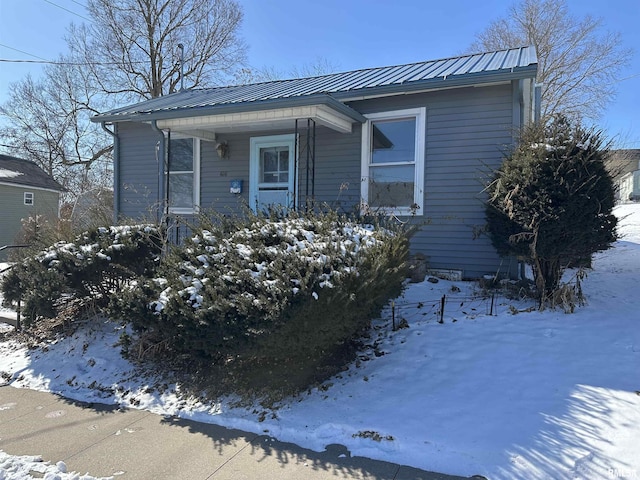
<point x="357" y="70"/>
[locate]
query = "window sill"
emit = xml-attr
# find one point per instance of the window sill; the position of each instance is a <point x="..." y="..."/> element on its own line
<point x="399" y="212"/>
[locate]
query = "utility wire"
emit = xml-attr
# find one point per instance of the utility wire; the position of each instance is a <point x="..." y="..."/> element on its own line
<point x="67" y="10"/>
<point x="51" y="62"/>
<point x="26" y="53"/>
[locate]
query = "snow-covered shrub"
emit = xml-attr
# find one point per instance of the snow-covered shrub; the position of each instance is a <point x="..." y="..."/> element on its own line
<point x="97" y="263"/>
<point x="267" y="290"/>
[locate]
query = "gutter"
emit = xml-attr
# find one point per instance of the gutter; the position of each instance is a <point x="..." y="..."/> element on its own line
<point x="116" y="170"/>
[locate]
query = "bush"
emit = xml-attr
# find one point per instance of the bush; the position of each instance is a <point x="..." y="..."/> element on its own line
<point x="97" y="263"/>
<point x="260" y="295"/>
<point x="551" y="201"/>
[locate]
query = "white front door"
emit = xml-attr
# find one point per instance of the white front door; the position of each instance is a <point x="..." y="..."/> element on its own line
<point x="271" y="175"/>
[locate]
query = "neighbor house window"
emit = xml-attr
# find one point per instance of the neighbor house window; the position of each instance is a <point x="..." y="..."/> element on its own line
<point x="184" y="178"/>
<point x="393" y="148"/>
<point x="28" y="198"/>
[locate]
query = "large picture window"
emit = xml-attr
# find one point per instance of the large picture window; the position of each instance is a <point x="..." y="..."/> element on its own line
<point x="393" y="161"/>
<point x="184" y="182"/>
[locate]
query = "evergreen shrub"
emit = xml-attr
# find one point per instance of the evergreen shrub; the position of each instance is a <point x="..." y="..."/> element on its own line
<point x="259" y="295"/>
<point x="551" y="201"/>
<point x="96" y="264"/>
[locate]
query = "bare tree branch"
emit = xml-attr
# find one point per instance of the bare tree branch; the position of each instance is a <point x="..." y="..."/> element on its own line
<point x="578" y="63"/>
<point x="127" y="53"/>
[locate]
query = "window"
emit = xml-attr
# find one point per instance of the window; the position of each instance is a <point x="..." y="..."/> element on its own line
<point x="393" y="146"/>
<point x="184" y="169"/>
<point x="274" y="165"/>
<point x="28" y="198"/>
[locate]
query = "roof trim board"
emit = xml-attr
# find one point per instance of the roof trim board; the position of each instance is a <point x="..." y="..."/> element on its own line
<point x="260" y="119"/>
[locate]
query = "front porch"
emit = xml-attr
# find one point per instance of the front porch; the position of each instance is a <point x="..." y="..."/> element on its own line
<point x="281" y="159"/>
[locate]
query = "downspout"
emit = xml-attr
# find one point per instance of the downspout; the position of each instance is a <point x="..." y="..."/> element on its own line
<point x="163" y="201"/>
<point x="116" y="169"/>
<point x="537" y="106"/>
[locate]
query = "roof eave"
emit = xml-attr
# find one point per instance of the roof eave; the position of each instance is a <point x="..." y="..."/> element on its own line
<point x="317" y="99"/>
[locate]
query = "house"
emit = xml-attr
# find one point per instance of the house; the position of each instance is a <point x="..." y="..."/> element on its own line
<point x="414" y="141"/>
<point x="25" y="191"/>
<point x="624" y="166"/>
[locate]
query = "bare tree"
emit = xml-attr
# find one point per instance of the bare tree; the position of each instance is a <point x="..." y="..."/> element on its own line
<point x="320" y="66"/>
<point x="578" y="62"/>
<point x="48" y="122"/>
<point x="134" y="48"/>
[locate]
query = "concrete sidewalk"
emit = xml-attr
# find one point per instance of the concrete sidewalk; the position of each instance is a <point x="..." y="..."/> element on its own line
<point x="128" y="444"/>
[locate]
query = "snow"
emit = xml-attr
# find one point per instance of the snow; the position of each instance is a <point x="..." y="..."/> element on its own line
<point x="518" y="394"/>
<point x="4" y="173"/>
<point x="20" y="467"/>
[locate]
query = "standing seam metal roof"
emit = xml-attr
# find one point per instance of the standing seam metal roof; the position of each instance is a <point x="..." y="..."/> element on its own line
<point x="521" y="60"/>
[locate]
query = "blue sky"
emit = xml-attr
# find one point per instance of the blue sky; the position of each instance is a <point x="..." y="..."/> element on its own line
<point x="350" y="34"/>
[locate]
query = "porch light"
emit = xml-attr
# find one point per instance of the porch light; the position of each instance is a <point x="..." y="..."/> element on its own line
<point x="223" y="149"/>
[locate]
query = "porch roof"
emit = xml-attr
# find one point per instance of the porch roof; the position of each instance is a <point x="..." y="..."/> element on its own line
<point x="331" y="91"/>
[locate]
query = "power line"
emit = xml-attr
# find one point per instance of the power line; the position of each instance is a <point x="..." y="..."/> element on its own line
<point x="26" y="53"/>
<point x="634" y="75"/>
<point x="51" y="62"/>
<point x="46" y="153"/>
<point x="67" y="10"/>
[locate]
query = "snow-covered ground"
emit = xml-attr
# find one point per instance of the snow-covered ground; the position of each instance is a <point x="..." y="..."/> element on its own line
<point x="22" y="467"/>
<point x="529" y="395"/>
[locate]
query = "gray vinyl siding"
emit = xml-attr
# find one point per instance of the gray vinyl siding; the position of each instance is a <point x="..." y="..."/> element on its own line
<point x="13" y="210"/>
<point x="467" y="133"/>
<point x="138" y="171"/>
<point x="216" y="173"/>
<point x="337" y="169"/>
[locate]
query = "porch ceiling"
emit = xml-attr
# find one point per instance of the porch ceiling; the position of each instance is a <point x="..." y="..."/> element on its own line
<point x="206" y="126"/>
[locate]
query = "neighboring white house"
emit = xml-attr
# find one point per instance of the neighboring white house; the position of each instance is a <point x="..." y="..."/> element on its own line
<point x="625" y="169"/>
<point x="630" y="186"/>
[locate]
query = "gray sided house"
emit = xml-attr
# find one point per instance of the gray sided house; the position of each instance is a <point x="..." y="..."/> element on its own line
<point x="414" y="141"/>
<point x="25" y="191"/>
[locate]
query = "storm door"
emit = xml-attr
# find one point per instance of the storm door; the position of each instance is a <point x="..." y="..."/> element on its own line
<point x="272" y="172"/>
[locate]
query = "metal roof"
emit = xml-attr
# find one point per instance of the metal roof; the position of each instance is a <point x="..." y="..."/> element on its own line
<point x="471" y="69"/>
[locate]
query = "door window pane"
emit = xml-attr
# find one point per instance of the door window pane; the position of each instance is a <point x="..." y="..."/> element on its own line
<point x="274" y="165"/>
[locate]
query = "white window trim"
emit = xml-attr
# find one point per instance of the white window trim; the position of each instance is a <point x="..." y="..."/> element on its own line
<point x="31" y="196"/>
<point x="196" y="178"/>
<point x="420" y="115"/>
<point x="256" y="143"/>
